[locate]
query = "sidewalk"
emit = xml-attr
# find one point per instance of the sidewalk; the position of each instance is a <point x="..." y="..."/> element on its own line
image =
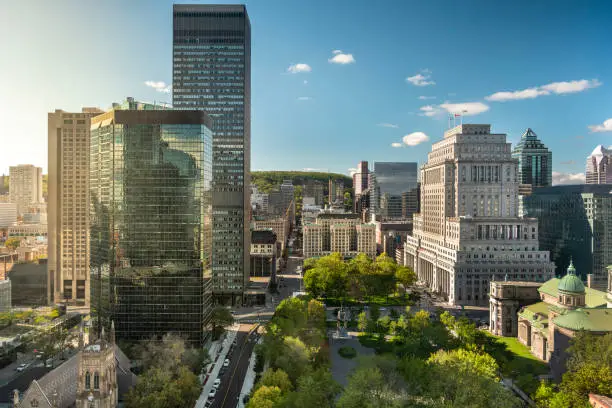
<point x="218" y="350"/>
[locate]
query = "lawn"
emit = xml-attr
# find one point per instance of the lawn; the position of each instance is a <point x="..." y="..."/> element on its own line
<point x="522" y="366"/>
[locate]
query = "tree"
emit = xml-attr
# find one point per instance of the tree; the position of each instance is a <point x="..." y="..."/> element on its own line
<point x="294" y="359"/>
<point x="462" y="361"/>
<point x="313" y="282"/>
<point x="316" y="389"/>
<point x="363" y="322"/>
<point x="544" y="395"/>
<point x="157" y="388"/>
<point x="220" y="319"/>
<point x="275" y="378"/>
<point x="589" y="371"/>
<point x="12" y="243"/>
<point x="405" y="276"/>
<point x="266" y="397"/>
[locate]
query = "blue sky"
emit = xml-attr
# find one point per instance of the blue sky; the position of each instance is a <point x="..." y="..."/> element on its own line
<point x="67" y="54"/>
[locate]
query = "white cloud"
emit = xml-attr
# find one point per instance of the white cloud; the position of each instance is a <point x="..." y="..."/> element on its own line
<point x="396" y="144"/>
<point x="341" y="58"/>
<point x="465" y="108"/>
<point x="159" y="86"/>
<point x="567" y="178"/>
<point x="557" y="88"/>
<point x="304" y="98"/>
<point x="571" y="86"/>
<point x="415" y="138"/>
<point x="297" y="68"/>
<point x="388" y="125"/>
<point x="352" y="171"/>
<point x="424" y="98"/>
<point x="606" y="126"/>
<point x="313" y="169"/>
<point x="429" y="110"/>
<point x="420" y="80"/>
<point x="529" y="93"/>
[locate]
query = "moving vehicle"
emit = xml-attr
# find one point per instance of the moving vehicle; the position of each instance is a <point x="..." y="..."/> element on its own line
<point x="226" y="362"/>
<point x="21" y="367"/>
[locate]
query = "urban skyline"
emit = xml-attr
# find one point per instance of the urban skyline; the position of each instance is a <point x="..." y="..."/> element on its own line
<point x="290" y="66"/>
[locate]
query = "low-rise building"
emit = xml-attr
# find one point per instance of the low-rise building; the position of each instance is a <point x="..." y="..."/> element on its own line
<point x="566" y="307"/>
<point x="505" y="300"/>
<point x="8" y="214"/>
<point x="265" y="253"/>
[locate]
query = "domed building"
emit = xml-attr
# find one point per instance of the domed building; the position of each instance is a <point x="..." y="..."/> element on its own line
<point x="566" y="307"/>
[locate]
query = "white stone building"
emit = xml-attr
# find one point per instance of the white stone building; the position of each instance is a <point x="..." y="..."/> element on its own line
<point x="468" y="231"/>
<point x="343" y="233"/>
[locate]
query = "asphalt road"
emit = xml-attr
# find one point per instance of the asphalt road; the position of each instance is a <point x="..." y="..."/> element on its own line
<point x="228" y="393"/>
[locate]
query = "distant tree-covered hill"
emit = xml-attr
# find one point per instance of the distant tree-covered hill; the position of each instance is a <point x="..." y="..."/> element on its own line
<point x="268" y="180"/>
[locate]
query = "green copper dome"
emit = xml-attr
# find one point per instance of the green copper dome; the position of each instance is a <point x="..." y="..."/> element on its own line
<point x="570" y="282"/>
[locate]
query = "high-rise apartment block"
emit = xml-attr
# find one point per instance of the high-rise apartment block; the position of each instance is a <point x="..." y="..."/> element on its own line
<point x="575" y="223"/>
<point x="68" y="205"/>
<point x="534" y="160"/>
<point x="599" y="166"/>
<point x="25" y="186"/>
<point x="468" y="231"/>
<point x="212" y="72"/>
<point x="343" y="233"/>
<point x="151" y="228"/>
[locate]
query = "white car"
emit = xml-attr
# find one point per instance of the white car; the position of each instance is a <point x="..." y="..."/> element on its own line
<point x="21" y="367"/>
<point x="217" y="383"/>
<point x="226" y="362"/>
<point x="212" y="393"/>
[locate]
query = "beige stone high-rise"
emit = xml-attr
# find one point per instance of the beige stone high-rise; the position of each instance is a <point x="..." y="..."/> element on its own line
<point x="25" y="186"/>
<point x="68" y="206"/>
<point x="468" y="231"/>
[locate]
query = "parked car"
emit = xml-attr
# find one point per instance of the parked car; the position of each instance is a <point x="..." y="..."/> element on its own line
<point x="212" y="393"/>
<point x="217" y="383"/>
<point x="226" y="362"/>
<point x="21" y="367"/>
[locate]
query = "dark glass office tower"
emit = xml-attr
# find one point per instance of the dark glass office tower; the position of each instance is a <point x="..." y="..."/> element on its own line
<point x="535" y="160"/>
<point x="151" y="221"/>
<point x="212" y="71"/>
<point x="392" y="179"/>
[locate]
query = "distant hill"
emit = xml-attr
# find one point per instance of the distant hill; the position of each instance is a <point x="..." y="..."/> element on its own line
<point x="267" y="180"/>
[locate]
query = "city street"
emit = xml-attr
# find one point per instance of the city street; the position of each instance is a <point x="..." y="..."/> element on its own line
<point x="228" y="393"/>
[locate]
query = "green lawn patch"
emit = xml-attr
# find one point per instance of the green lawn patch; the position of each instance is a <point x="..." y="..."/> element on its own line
<point x="347" y="352"/>
<point x="520" y="364"/>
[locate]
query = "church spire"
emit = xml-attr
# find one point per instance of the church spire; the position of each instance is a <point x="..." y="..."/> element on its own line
<point x="112" y="333"/>
<point x="81" y="336"/>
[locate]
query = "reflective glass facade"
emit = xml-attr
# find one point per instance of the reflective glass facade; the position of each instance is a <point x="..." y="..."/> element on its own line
<point x="212" y="72"/>
<point x="535" y="160"/>
<point x="392" y="179"/>
<point x="151" y="221"/>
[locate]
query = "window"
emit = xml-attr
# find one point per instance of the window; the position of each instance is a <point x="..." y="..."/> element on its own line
<point x="87" y="381"/>
<point x="96" y="381"/>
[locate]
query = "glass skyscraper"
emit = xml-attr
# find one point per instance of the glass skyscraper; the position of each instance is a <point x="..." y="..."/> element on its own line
<point x="212" y="71"/>
<point x="151" y="226"/>
<point x="575" y="223"/>
<point x="535" y="160"/>
<point x="391" y="180"/>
